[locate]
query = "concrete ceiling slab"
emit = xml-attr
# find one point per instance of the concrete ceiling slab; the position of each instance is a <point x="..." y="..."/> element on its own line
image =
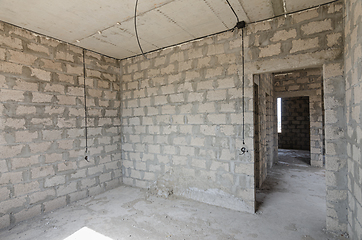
<point x="257" y="9"/>
<point x="296" y="5"/>
<point x="107" y="26"/>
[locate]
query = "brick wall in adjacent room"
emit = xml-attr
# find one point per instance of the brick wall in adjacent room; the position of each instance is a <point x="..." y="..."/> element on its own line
<point x="295" y="124"/>
<point x="42" y="140"/>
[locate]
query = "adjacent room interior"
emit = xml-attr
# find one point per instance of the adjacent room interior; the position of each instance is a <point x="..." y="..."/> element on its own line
<point x="180" y="119"/>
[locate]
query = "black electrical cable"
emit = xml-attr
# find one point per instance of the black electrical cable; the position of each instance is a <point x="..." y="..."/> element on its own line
<point x="243" y="86"/>
<point x="238" y="24"/>
<point x="85" y="111"/>
<point x="135" y="29"/>
<point x="232" y="9"/>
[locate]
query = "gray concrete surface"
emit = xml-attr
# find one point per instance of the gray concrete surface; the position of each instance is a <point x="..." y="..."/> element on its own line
<point x="291" y="205"/>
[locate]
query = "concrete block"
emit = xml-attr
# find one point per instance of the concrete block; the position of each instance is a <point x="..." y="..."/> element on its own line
<point x="10" y="151"/>
<point x="271" y="50"/>
<point x="333" y="39"/>
<point x="66" y="189"/>
<point x="21" y="58"/>
<point x="41" y="97"/>
<point x="205" y="85"/>
<point x="25" y="136"/>
<point x="54" y="181"/>
<point x="317" y="27"/>
<point x="154" y="148"/>
<point x="24" y="162"/>
<point x="219" y="166"/>
<point x="283" y="35"/>
<point x="305" y="15"/>
<point x="4" y="221"/>
<point x="208" y="130"/>
<point x="13" y="68"/>
<point x="66" y="78"/>
<point x="215" y="49"/>
<point x="195" y="119"/>
<point x="87" y="182"/>
<point x="4" y="194"/>
<point x="195" y="97"/>
<point x="55" y="204"/>
<point x="187" y="151"/>
<point x="56" y="88"/>
<point x="167" y="109"/>
<point x="198" y="163"/>
<point x="206" y="108"/>
<point x="214" y="72"/>
<point x="302" y="45"/>
<point x="11" y="95"/>
<point x="185" y="66"/>
<point x="11" y="42"/>
<point x="226" y="83"/>
<point x="226" y="58"/>
<point x="27" y="213"/>
<point x="195" y="53"/>
<point x="41" y="74"/>
<point x="217" y="118"/>
<point x="26" y="188"/>
<point x="78" y="195"/>
<point x="179" y="160"/>
<point x="216" y="95"/>
<point x="43" y="171"/>
<point x="261" y="26"/>
<point x="160" y="100"/>
<point x="41" y="196"/>
<point x="226" y="154"/>
<point x="171" y="150"/>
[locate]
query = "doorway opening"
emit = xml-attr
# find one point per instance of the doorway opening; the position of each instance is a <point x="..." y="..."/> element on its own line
<point x="301" y="112"/>
<point x="295" y="126"/>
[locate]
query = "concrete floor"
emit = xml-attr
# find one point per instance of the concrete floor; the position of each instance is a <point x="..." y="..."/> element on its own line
<point x="291" y="205"/>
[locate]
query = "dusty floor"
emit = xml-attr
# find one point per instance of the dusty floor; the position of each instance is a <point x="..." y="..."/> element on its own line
<point x="291" y="206"/>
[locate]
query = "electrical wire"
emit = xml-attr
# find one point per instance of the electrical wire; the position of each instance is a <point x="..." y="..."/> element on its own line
<point x="85" y="111"/>
<point x="243" y="86"/>
<point x="232" y="9"/>
<point x="135" y="29"/>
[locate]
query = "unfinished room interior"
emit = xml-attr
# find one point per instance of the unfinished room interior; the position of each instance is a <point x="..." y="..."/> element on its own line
<point x="181" y="119"/>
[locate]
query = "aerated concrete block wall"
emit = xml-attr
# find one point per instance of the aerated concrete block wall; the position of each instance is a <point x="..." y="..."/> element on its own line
<point x="295" y="124"/>
<point x="265" y="143"/>
<point x="353" y="58"/>
<point x="310" y="39"/>
<point x="42" y="138"/>
<point x="307" y="82"/>
<point x="182" y="123"/>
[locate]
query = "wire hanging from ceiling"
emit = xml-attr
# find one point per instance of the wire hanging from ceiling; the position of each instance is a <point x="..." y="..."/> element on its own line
<point x="85" y="111"/>
<point x="243" y="85"/>
<point x="241" y="25"/>
<point x="135" y="29"/>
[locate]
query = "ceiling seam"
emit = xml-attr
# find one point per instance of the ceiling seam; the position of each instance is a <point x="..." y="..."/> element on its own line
<point x="213" y="34"/>
<point x="128" y="19"/>
<point x="207" y="3"/>
<point x="101" y="54"/>
<point x="173" y="21"/>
